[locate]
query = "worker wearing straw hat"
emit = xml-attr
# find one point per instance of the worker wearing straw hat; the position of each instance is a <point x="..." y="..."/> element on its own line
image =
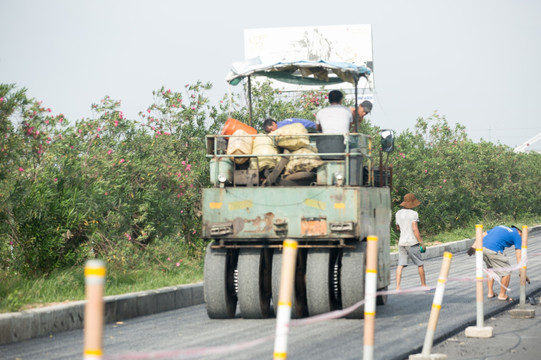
<point x="410" y="244"/>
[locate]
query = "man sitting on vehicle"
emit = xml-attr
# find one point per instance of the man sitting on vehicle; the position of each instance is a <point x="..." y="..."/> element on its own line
<point x="335" y="118"/>
<point x="362" y="110"/>
<point x="270" y="125"/>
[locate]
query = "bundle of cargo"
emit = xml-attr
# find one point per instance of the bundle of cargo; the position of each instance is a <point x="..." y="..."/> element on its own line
<point x="292" y="137"/>
<point x="295" y="138"/>
<point x="303" y="163"/>
<point x="240" y="144"/>
<point x="264" y="145"/>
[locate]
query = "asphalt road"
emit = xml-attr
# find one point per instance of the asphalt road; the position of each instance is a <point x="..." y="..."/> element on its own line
<point x="512" y="339"/>
<point x="400" y="326"/>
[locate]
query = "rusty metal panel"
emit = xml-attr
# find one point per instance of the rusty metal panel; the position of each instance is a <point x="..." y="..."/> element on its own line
<point x="275" y="212"/>
<point x="314" y="227"/>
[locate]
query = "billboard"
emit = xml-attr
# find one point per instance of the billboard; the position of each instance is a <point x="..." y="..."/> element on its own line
<point x="349" y="43"/>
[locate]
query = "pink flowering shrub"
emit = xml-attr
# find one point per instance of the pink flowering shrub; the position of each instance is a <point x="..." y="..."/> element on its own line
<point x="105" y="186"/>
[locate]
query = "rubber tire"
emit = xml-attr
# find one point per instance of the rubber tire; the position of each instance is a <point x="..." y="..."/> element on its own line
<point x="352" y="276"/>
<point x="219" y="288"/>
<point x="298" y="306"/>
<point x="319" y="293"/>
<point x="254" y="275"/>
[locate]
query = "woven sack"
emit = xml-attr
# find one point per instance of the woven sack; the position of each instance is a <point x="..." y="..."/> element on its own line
<point x="303" y="163"/>
<point x="292" y="137"/>
<point x="240" y="145"/>
<point x="264" y="145"/>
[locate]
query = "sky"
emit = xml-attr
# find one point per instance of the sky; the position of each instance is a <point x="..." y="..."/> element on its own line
<point x="476" y="62"/>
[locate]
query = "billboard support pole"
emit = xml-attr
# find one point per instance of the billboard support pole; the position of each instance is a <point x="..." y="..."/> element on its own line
<point x="250" y="99"/>
<point x="356" y="119"/>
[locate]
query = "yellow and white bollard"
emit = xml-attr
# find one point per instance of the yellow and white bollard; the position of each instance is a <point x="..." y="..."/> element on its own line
<point x="283" y="313"/>
<point x="523" y="311"/>
<point x="94" y="309"/>
<point x="370" y="290"/>
<point x="435" y="313"/>
<point x="479" y="331"/>
<point x="523" y="258"/>
<point x="480" y="297"/>
<point x="436" y="304"/>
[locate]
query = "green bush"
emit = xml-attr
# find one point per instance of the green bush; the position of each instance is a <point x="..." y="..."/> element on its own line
<point x="460" y="182"/>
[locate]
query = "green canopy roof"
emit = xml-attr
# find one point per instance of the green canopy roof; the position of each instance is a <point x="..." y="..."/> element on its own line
<point x="301" y="72"/>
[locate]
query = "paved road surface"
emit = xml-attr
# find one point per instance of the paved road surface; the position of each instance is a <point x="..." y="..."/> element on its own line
<point x="400" y="327"/>
<point x="513" y="339"/>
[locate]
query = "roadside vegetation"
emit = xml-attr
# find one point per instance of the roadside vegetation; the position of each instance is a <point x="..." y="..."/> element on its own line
<point x="128" y="190"/>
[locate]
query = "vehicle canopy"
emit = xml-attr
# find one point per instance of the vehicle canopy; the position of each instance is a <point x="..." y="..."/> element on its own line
<point x="303" y="72"/>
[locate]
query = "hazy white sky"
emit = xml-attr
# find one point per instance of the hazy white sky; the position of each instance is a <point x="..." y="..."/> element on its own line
<point x="478" y="62"/>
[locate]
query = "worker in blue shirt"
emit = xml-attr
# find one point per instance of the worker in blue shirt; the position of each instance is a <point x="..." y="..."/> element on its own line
<point x="270" y="125"/>
<point x="495" y="241"/>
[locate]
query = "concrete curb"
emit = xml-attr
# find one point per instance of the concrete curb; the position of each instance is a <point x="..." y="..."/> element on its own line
<point x="46" y="321"/>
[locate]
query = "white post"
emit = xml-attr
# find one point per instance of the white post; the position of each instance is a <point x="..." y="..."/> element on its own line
<point x="523" y="258"/>
<point x="370" y="296"/>
<point x="479" y="331"/>
<point x="436" y="304"/>
<point x="522" y="311"/>
<point x="283" y="316"/>
<point x="94" y="309"/>
<point x="479" y="275"/>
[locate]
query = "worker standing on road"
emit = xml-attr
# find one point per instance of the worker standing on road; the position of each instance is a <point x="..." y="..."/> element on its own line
<point x="495" y="241"/>
<point x="410" y="244"/>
